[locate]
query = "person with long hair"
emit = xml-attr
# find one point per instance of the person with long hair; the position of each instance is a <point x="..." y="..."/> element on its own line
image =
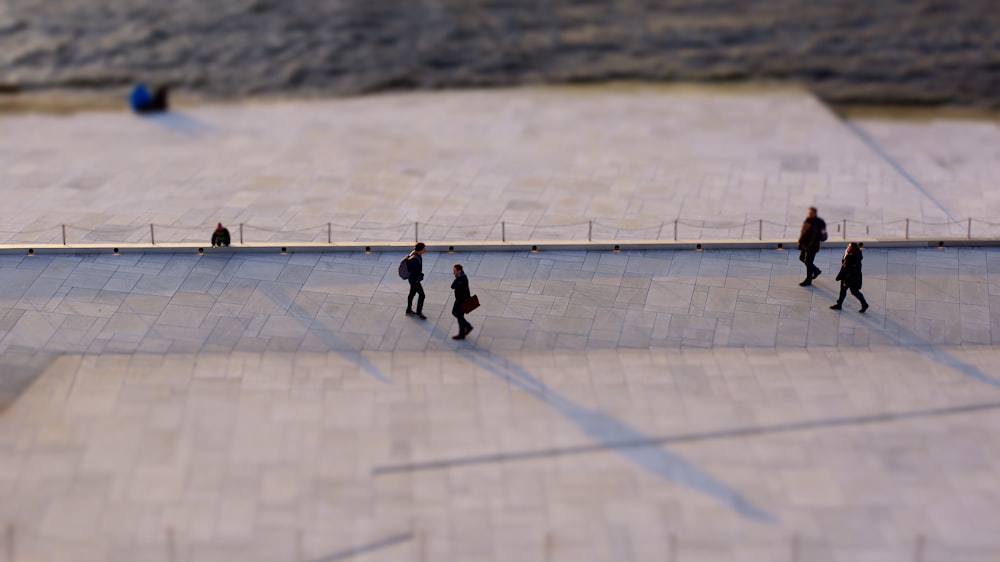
<point x="850" y="277"/>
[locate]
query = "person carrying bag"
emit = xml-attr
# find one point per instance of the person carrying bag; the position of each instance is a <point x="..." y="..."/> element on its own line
<point x="465" y="302"/>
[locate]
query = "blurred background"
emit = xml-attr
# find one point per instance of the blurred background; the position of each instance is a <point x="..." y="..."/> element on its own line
<point x="912" y="52"/>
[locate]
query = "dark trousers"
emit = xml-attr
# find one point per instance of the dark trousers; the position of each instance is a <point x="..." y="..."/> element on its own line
<point x="807" y="257"/>
<point x="459" y="314"/>
<point x="856" y="292"/>
<point x="415" y="289"/>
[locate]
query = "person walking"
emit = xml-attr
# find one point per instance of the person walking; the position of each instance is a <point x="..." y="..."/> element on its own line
<point x="462" y="294"/>
<point x="813" y="232"/>
<point x="850" y="277"/>
<point x="415" y="265"/>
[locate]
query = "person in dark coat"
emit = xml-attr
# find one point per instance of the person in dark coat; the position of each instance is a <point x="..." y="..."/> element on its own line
<point x="813" y="232"/>
<point x="415" y="265"/>
<point x="142" y="101"/>
<point x="220" y="237"/>
<point x="462" y="294"/>
<point x="850" y="277"/>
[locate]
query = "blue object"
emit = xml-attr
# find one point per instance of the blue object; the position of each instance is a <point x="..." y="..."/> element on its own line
<point x="140" y="97"/>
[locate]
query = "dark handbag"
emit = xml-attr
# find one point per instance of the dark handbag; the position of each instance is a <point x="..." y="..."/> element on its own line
<point x="470" y="304"/>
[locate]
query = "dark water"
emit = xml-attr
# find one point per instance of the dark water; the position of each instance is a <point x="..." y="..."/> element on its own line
<point x="857" y="51"/>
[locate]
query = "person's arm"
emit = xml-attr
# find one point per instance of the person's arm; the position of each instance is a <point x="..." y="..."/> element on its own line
<point x="464" y="288"/>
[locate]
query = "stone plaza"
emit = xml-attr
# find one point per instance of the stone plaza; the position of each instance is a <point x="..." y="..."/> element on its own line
<point x="661" y="405"/>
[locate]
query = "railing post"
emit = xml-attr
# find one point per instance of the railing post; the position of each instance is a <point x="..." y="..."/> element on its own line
<point x="241" y="233"/>
<point x="11" y="544"/>
<point x="329" y="233"/>
<point x="416" y="232"/>
<point x="171" y="548"/>
<point x="298" y="546"/>
<point x="918" y="554"/>
<point x="906" y="234"/>
<point x="64" y="233"/>
<point x="675" y="230"/>
<point x="590" y="231"/>
<point x="503" y="231"/>
<point x="845" y="229"/>
<point x="968" y="234"/>
<point x="152" y="239"/>
<point x="760" y="229"/>
<point x="795" y="548"/>
<point x="672" y="548"/>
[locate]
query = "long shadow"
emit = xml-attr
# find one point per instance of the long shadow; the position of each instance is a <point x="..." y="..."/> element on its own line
<point x="920" y="344"/>
<point x="18" y="371"/>
<point x="333" y="342"/>
<point x="179" y="122"/>
<point x="610" y="432"/>
<point x="371" y="547"/>
<point x="688" y="438"/>
<point x="875" y="147"/>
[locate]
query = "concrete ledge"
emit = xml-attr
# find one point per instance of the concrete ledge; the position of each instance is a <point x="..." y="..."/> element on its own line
<point x="513" y="246"/>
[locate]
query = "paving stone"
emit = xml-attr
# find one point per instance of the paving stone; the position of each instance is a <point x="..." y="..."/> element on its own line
<point x="258" y="402"/>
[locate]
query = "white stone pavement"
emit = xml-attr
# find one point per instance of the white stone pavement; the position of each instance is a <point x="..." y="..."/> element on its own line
<point x="629" y="157"/>
<point x="635" y="406"/>
<point x="268" y="407"/>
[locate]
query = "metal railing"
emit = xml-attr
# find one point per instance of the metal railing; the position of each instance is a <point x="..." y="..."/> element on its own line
<point x="577" y="230"/>
<point x="20" y="542"/>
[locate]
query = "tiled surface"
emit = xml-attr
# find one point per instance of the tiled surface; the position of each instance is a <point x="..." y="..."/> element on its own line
<point x="261" y="407"/>
<point x="608" y="407"/>
<point x="595" y="455"/>
<point x="461" y="162"/>
<point x="546" y="300"/>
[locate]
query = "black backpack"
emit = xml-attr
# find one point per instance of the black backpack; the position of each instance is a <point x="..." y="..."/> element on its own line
<point x="404" y="267"/>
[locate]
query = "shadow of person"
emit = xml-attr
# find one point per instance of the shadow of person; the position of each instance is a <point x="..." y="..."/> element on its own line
<point x="616" y="435"/>
<point x="179" y="123"/>
<point x="328" y="336"/>
<point x="917" y="343"/>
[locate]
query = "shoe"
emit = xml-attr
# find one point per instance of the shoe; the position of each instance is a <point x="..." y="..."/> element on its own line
<point x="835" y="306"/>
<point x="864" y="307"/>
<point x="410" y="313"/>
<point x="469" y="330"/>
<point x="458" y="337"/>
<point x="806" y="283"/>
<point x="818" y="272"/>
<point x="421" y="316"/>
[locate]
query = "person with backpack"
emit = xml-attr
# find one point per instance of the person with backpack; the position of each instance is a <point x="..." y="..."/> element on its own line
<point x="411" y="268"/>
<point x="142" y="101"/>
<point x="850" y="277"/>
<point x="220" y="237"/>
<point x="813" y="232"/>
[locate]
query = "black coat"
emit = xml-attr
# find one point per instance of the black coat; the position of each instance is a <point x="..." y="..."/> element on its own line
<point x="461" y="286"/>
<point x="811" y="234"/>
<point x="220" y="237"/>
<point x="416" y="266"/>
<point x="850" y="271"/>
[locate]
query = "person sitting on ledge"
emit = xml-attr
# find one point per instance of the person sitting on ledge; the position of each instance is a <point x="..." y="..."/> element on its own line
<point x="220" y="237"/>
<point x="142" y="101"/>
